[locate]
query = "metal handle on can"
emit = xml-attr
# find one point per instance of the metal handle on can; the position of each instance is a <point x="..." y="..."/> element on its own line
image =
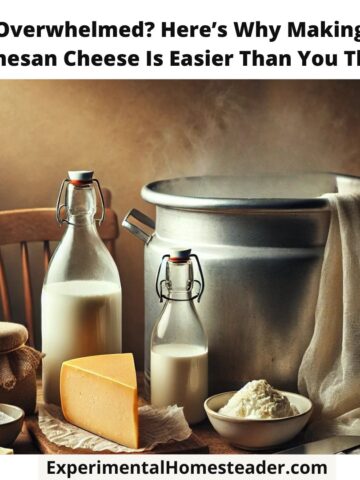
<point x="134" y="229"/>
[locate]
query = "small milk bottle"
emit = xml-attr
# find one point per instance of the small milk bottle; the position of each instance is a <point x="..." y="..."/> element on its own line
<point x="179" y="347"/>
<point x="81" y="295"/>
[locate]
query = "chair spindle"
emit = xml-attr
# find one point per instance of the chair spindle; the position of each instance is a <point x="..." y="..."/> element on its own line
<point x="4" y="293"/>
<point x="47" y="255"/>
<point x="28" y="299"/>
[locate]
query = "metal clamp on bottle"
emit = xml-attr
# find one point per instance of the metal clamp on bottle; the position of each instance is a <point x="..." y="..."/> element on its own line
<point x="179" y="256"/>
<point x="81" y="178"/>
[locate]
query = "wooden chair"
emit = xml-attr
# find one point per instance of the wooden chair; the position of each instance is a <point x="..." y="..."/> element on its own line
<point x="39" y="225"/>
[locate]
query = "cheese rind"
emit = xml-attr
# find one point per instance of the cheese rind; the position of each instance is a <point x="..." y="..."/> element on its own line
<point x="99" y="394"/>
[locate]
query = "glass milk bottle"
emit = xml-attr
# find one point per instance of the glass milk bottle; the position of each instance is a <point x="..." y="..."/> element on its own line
<point x="81" y="295"/>
<point x="179" y="347"/>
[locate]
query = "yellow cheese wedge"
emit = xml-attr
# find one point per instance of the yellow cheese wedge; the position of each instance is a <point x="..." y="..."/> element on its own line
<point x="99" y="394"/>
<point x="6" y="451"/>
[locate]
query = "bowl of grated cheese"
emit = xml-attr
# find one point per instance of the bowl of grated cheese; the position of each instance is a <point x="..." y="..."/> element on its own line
<point x="258" y="417"/>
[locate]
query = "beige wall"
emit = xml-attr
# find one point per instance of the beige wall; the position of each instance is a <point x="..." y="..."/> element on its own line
<point x="132" y="132"/>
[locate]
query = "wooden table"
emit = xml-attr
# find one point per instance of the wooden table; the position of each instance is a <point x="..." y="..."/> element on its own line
<point x="204" y="431"/>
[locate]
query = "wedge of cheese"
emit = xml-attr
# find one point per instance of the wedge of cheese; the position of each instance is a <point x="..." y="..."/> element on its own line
<point x="99" y="394"/>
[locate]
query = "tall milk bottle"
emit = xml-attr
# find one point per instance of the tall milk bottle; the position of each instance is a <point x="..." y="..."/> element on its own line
<point x="81" y="295"/>
<point x="179" y="347"/>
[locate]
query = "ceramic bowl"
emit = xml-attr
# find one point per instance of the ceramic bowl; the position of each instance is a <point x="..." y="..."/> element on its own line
<point x="10" y="430"/>
<point x="254" y="434"/>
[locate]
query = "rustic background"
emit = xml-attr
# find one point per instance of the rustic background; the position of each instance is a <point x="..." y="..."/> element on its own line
<point x="132" y="132"/>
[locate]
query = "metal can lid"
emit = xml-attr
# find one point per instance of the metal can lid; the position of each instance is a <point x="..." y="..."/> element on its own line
<point x="81" y="175"/>
<point x="179" y="254"/>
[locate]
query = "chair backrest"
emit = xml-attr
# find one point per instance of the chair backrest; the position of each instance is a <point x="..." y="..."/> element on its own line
<point x="39" y="225"/>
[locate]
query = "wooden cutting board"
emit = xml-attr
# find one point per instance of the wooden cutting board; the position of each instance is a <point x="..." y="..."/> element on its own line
<point x="191" y="445"/>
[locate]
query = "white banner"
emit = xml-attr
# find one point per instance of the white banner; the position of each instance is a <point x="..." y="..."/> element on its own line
<point x="188" y="40"/>
<point x="71" y="467"/>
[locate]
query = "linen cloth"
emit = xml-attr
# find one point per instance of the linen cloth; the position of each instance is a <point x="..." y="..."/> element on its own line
<point x="329" y="373"/>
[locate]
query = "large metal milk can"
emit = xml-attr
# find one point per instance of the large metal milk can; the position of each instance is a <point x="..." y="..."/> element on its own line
<point x="260" y="241"/>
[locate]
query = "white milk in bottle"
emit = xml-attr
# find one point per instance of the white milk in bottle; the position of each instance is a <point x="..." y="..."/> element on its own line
<point x="82" y="318"/>
<point x="81" y="296"/>
<point x="179" y="375"/>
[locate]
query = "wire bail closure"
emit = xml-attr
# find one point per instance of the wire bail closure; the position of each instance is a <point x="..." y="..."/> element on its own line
<point x="59" y="206"/>
<point x="160" y="283"/>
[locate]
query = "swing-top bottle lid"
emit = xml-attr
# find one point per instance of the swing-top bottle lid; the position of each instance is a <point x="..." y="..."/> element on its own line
<point x="82" y="176"/>
<point x="179" y="254"/>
